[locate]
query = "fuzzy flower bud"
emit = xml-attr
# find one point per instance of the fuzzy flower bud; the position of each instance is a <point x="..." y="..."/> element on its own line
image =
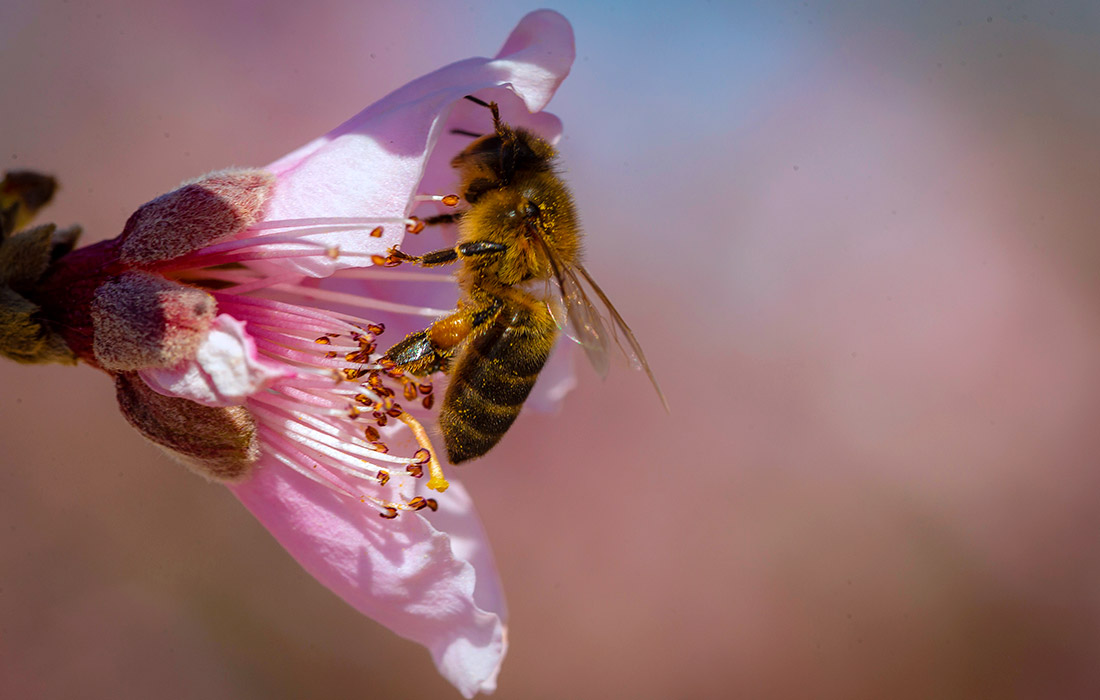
<point x="199" y="213"/>
<point x="216" y="442"/>
<point x="141" y="320"/>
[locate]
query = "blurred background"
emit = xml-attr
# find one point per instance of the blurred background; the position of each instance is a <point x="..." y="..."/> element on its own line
<point x="860" y="248"/>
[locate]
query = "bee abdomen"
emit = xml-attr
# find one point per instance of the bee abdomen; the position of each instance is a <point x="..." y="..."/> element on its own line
<point x="491" y="380"/>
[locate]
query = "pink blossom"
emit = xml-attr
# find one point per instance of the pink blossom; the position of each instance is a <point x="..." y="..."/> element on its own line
<point x="230" y="351"/>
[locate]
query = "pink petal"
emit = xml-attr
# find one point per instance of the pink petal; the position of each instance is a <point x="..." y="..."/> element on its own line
<point x="372" y="164"/>
<point x="224" y="372"/>
<point x="538" y="55"/>
<point x="404" y="573"/>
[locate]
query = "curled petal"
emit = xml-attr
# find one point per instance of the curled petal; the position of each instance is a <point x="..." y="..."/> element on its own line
<point x="537" y="56"/>
<point x="372" y="164"/>
<point x="225" y="370"/>
<point x="405" y="573"/>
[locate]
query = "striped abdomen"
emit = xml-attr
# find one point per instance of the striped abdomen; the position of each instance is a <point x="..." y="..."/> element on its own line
<point x="492" y="377"/>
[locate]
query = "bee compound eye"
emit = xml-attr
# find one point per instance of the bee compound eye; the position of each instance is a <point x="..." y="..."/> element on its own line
<point x="528" y="209"/>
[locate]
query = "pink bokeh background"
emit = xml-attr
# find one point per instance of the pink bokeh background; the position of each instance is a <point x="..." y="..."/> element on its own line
<point x="858" y="246"/>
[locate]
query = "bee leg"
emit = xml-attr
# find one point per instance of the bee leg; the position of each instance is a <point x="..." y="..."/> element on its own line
<point x="446" y="256"/>
<point x="432" y="349"/>
<point x="449" y="218"/>
<point x="435" y="258"/>
<point x="477" y="248"/>
<point x="418" y="356"/>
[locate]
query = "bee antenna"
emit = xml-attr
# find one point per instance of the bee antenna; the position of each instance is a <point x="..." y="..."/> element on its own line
<point x="478" y="101"/>
<point x="491" y="106"/>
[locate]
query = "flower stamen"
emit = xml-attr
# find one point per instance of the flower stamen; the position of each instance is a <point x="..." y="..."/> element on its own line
<point x="361" y="301"/>
<point x="340" y="384"/>
<point x="450" y="200"/>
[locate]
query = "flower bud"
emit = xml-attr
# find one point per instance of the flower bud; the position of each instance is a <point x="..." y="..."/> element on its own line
<point x="141" y="320"/>
<point x="197" y="214"/>
<point x="217" y="442"/>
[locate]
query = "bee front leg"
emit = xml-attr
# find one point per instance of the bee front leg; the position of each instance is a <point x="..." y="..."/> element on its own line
<point x="446" y="256"/>
<point x="473" y="249"/>
<point x="435" y="258"/>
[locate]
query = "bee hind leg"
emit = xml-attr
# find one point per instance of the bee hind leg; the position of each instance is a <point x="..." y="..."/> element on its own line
<point x="417" y="355"/>
<point x="432" y="349"/>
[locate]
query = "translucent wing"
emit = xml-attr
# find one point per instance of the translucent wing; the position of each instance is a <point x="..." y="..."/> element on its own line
<point x="621" y="331"/>
<point x="585" y="325"/>
<point x="590" y="327"/>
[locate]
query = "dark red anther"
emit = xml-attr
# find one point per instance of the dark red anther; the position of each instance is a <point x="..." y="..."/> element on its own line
<point x="450" y="200"/>
<point x="428" y="401"/>
<point x="323" y="340"/>
<point x="409" y="391"/>
<point x="389" y="513"/>
<point x="376" y="328"/>
<point x="415" y="225"/>
<point x="376" y="232"/>
<point x="374" y="381"/>
<point x="383" y="478"/>
<point x="418" y="503"/>
<point x="422" y="456"/>
<point x="371" y="433"/>
<point x="358" y="357"/>
<point x="432" y="503"/>
<point x="415" y="470"/>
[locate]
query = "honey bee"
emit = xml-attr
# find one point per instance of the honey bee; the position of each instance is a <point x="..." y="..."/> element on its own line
<point x="520" y="231"/>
